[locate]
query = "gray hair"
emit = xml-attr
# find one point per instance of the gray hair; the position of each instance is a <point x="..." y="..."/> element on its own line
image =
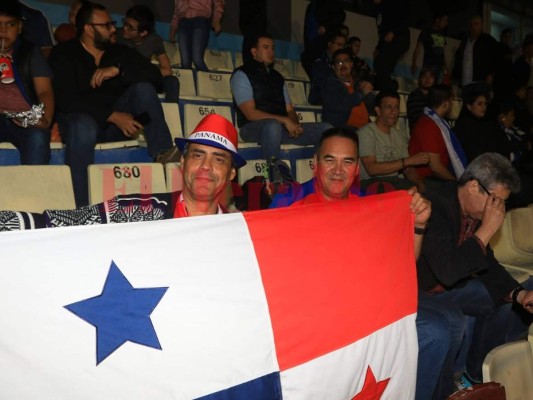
<point x="491" y="169"/>
<point x="186" y="150"/>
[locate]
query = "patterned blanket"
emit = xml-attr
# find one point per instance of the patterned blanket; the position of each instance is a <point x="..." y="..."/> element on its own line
<point x="124" y="208"/>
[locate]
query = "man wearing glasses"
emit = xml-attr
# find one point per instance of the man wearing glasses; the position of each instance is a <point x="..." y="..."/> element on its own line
<point x="101" y="87"/>
<point x="383" y="147"/>
<point x="343" y="97"/>
<point x="457" y="264"/>
<point x="138" y="32"/>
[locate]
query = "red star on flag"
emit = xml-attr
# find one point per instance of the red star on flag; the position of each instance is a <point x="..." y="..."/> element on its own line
<point x="372" y="390"/>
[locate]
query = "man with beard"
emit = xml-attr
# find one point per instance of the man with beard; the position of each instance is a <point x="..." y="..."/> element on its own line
<point x="101" y="87"/>
<point x="418" y="98"/>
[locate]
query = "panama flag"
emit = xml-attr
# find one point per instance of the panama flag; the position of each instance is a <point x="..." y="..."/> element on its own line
<point x="310" y="302"/>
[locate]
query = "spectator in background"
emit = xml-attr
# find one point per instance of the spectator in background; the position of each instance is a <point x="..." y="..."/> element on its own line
<point x="344" y="30"/>
<point x="503" y="77"/>
<point x="192" y="21"/>
<point x="265" y="114"/>
<point x="433" y="136"/>
<point x="321" y="68"/>
<point x="36" y="29"/>
<point x="252" y="21"/>
<point x="67" y="31"/>
<point x="418" y="98"/>
<point x="394" y="40"/>
<point x="522" y="71"/>
<point x="138" y="32"/>
<point x="361" y="70"/>
<point x="476" y="132"/>
<point x="457" y="265"/>
<point x="31" y="84"/>
<point x="322" y="17"/>
<point x="383" y="147"/>
<point x="343" y="96"/>
<point x="476" y="57"/>
<point x="101" y="87"/>
<point x="432" y="41"/>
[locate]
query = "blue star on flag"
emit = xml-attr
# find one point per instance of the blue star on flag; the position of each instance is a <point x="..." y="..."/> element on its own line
<point x="120" y="314"/>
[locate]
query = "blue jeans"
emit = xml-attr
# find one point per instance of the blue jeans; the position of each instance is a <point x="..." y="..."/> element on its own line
<point x="193" y="35"/>
<point x="81" y="132"/>
<point x="440" y="327"/>
<point x="32" y="143"/>
<point x="270" y="134"/>
<point x="171" y="88"/>
<point x="490" y="326"/>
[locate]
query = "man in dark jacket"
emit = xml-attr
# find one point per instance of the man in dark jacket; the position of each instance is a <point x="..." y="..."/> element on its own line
<point x="477" y="56"/>
<point x="265" y="113"/>
<point x="343" y="96"/>
<point x="457" y="264"/>
<point x="100" y="88"/>
<point x="28" y="83"/>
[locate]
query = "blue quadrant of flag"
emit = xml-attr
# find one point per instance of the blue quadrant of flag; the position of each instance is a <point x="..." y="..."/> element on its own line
<point x="120" y="314"/>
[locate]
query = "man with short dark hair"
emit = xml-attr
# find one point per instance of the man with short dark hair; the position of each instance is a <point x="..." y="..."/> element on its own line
<point x="383" y="146"/>
<point x="265" y="113"/>
<point x="138" y="31"/>
<point x="457" y="264"/>
<point x="476" y="57"/>
<point x="439" y="326"/>
<point x="343" y="96"/>
<point x="321" y="67"/>
<point x="101" y="87"/>
<point x="433" y="135"/>
<point x="418" y="98"/>
<point x="28" y="84"/>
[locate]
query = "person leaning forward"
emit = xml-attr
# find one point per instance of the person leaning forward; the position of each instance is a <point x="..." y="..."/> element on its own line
<point x="104" y="92"/>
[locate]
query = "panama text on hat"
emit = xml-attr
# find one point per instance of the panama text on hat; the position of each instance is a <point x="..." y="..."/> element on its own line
<point x="215" y="131"/>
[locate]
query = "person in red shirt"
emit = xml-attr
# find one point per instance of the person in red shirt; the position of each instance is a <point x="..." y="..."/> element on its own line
<point x="432" y="134"/>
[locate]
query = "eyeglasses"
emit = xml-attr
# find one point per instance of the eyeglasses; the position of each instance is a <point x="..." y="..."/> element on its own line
<point x="108" y="25"/>
<point x="486" y="190"/>
<point x="342" y="62"/>
<point x="128" y="26"/>
<point x="483" y="187"/>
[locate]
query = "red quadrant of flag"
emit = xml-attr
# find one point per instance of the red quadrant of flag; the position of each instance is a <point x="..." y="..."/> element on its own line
<point x="322" y="264"/>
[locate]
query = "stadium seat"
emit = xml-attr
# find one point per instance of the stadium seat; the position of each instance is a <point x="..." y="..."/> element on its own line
<point x="254" y="168"/>
<point x="108" y="180"/>
<point x="284" y="67"/>
<point x="296" y="91"/>
<point x="403" y="104"/>
<point x="195" y="112"/>
<point x="213" y="85"/>
<point x="238" y="59"/>
<point x="511" y="365"/>
<point x="456" y="108"/>
<point x="530" y="337"/>
<point x="173" y="53"/>
<point x="173" y="119"/>
<point x="187" y="86"/>
<point x="306" y="116"/>
<point x="304" y="169"/>
<point x="299" y="71"/>
<point x="512" y="243"/>
<point x="35" y="188"/>
<point x="218" y="60"/>
<point x="174" y="177"/>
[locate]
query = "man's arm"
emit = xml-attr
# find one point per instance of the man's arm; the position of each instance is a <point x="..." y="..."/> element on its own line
<point x="375" y="168"/>
<point x="438" y="169"/>
<point x="164" y="64"/>
<point x="421" y="208"/>
<point x="45" y="94"/>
